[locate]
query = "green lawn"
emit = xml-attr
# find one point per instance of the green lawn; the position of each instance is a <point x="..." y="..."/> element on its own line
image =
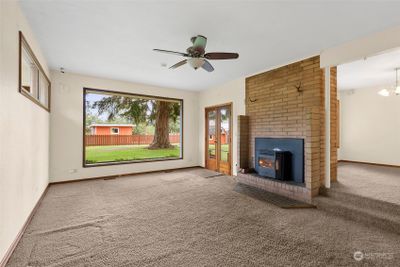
<point x="224" y="151"/>
<point x="100" y="154"/>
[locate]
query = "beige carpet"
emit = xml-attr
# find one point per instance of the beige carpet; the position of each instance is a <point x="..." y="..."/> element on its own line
<point x="184" y="219"/>
<point x="377" y="182"/>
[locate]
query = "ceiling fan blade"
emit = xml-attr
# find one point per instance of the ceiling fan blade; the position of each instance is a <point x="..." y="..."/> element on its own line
<point x="207" y="66"/>
<point x="171" y="52"/>
<point x="221" y="55"/>
<point x="180" y="63"/>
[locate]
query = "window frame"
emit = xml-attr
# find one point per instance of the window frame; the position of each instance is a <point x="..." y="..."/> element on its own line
<point x="109" y="163"/>
<point x="111" y="131"/>
<point x="23" y="45"/>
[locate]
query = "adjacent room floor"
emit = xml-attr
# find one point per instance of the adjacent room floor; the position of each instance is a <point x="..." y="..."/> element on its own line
<point x="182" y="218"/>
<point x="376" y="182"/>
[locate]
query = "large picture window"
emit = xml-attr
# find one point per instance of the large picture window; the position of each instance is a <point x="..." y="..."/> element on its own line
<point x="125" y="128"/>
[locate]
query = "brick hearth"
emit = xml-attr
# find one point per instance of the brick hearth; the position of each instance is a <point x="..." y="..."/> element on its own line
<point x="286" y="189"/>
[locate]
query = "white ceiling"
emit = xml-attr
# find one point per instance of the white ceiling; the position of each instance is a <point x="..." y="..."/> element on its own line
<point x="375" y="71"/>
<point x="114" y="39"/>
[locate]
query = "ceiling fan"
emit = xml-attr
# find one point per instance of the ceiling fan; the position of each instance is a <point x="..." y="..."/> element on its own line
<point x="197" y="57"/>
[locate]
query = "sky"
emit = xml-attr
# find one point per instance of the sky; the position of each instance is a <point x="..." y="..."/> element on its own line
<point x="91" y="98"/>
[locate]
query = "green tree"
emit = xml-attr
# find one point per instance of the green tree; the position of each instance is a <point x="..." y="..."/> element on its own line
<point x="174" y="126"/>
<point x="150" y="129"/>
<point x="157" y="112"/>
<point x="140" y="128"/>
<point x="91" y="119"/>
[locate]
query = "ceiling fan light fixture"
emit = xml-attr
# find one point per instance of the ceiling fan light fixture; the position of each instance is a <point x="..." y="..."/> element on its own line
<point x="196" y="62"/>
<point x="196" y="55"/>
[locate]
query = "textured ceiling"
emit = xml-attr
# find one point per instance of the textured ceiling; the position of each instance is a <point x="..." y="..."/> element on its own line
<point x="114" y="39"/>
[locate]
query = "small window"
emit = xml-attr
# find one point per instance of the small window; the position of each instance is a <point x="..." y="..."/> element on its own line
<point x="114" y="130"/>
<point x="33" y="82"/>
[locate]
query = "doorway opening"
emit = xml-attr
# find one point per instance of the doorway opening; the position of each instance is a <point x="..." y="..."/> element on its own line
<point x="218" y="138"/>
<point x="369" y="128"/>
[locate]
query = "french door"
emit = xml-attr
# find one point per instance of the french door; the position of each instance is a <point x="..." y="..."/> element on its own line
<point x="218" y="138"/>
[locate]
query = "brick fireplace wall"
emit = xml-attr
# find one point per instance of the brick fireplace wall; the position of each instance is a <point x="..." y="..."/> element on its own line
<point x="334" y="124"/>
<point x="276" y="108"/>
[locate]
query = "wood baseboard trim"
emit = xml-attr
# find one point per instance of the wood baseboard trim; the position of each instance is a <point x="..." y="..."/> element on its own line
<point x="121" y="175"/>
<point x="369" y="163"/>
<point x="14" y="244"/>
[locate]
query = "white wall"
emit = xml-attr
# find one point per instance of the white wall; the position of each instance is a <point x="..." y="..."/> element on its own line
<point x="66" y="127"/>
<point x="24" y="132"/>
<point x="234" y="92"/>
<point x="369" y="127"/>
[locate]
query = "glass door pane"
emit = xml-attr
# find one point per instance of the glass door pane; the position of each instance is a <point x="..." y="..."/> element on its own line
<point x="225" y="134"/>
<point x="212" y="134"/>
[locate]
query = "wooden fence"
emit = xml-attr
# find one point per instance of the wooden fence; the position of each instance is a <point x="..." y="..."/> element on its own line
<point x="116" y="140"/>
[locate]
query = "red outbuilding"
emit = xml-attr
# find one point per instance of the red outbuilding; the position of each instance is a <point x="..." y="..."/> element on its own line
<point x="111" y="129"/>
